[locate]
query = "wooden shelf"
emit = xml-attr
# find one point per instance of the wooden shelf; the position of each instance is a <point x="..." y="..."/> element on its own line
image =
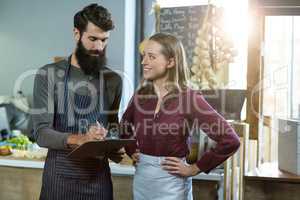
<point x="271" y="172"/>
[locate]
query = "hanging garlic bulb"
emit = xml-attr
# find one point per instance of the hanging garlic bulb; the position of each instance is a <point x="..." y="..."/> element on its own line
<point x="213" y="52"/>
<point x="203" y="53"/>
<point x="194" y="69"/>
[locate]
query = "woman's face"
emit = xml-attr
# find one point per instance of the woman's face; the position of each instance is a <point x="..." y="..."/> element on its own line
<point x="155" y="64"/>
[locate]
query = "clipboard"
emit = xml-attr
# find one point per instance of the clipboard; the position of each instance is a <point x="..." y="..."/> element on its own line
<point x="98" y="149"/>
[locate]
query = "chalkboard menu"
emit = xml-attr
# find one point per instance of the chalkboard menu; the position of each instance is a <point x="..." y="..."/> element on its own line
<point x="183" y="22"/>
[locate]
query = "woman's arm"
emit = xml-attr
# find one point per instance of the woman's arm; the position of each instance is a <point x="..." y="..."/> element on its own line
<point x="216" y="128"/>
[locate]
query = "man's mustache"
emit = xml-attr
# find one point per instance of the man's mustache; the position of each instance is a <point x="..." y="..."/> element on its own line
<point x="95" y="52"/>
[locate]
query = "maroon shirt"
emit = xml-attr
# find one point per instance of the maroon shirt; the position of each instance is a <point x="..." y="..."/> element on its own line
<point x="167" y="132"/>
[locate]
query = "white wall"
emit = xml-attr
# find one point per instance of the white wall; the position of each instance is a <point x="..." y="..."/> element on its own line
<point x="32" y="32"/>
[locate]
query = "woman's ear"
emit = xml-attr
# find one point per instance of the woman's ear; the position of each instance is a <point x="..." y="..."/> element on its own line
<point x="76" y="33"/>
<point x="171" y="63"/>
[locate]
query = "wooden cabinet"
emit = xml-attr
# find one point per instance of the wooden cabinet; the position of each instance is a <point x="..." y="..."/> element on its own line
<point x="21" y="180"/>
<point x="270" y="183"/>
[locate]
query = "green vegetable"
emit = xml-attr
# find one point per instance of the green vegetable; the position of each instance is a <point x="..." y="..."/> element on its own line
<point x="21" y="142"/>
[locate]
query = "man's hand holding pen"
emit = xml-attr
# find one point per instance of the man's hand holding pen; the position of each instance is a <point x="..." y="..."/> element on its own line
<point x="95" y="132"/>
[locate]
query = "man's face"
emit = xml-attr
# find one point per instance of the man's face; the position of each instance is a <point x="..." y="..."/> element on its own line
<point x="90" y="51"/>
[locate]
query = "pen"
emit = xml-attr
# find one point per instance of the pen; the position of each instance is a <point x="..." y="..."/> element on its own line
<point x="99" y="124"/>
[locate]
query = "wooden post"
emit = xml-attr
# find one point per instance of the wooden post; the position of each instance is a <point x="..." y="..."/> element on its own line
<point x="236" y="166"/>
<point x="254" y="68"/>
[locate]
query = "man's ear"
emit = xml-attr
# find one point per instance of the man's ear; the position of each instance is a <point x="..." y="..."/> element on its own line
<point x="171" y="63"/>
<point x="76" y="33"/>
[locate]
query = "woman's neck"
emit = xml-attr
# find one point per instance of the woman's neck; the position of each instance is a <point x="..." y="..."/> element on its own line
<point x="160" y="87"/>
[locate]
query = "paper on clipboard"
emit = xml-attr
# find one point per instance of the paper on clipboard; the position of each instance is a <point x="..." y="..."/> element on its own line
<point x="96" y="149"/>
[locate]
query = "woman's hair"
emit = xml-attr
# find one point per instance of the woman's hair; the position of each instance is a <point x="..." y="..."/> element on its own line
<point x="171" y="48"/>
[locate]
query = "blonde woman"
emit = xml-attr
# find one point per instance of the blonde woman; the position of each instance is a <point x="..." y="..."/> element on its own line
<point x="160" y="116"/>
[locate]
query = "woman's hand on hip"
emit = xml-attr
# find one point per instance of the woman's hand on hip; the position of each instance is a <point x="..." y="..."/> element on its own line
<point x="135" y="157"/>
<point x="176" y="166"/>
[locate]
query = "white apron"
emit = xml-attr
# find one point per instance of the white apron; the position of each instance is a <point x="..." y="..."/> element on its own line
<point x="151" y="182"/>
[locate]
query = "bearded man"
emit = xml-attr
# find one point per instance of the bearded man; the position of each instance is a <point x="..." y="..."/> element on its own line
<point x="75" y="101"/>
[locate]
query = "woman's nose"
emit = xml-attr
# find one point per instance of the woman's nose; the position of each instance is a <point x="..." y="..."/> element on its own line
<point x="144" y="60"/>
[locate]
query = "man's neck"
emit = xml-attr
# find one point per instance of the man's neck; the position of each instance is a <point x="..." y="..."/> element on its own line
<point x="74" y="61"/>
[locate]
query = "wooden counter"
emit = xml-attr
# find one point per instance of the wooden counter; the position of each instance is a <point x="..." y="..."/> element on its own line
<point x="21" y="180"/>
<point x="270" y="183"/>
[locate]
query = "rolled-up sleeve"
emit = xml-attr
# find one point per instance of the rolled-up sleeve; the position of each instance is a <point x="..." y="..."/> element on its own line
<point x="216" y="128"/>
<point x="43" y="112"/>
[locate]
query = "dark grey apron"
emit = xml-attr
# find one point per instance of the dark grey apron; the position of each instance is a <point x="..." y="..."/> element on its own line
<point x="72" y="179"/>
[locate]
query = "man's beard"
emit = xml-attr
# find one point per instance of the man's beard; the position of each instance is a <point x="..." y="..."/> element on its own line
<point x="90" y="64"/>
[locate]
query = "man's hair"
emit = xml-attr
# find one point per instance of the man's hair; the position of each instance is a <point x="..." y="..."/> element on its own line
<point x="98" y="15"/>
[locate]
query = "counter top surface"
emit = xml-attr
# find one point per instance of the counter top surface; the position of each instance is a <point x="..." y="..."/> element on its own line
<point x="271" y="171"/>
<point x="116" y="169"/>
